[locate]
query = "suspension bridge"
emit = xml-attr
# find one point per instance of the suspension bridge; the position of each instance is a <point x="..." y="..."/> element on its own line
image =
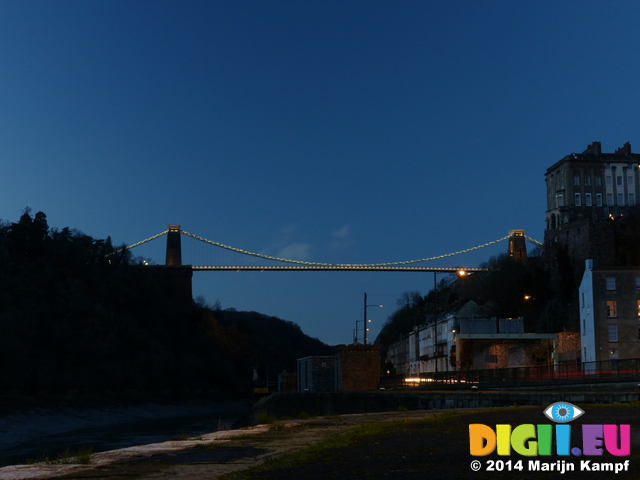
<point x="516" y="250"/>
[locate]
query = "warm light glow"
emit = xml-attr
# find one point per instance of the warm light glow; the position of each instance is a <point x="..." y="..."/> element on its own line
<point x="528" y="297"/>
<point x="416" y="380"/>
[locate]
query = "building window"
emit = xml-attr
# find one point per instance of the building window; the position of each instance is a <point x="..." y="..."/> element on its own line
<point x="578" y="203"/>
<point x="619" y="180"/>
<point x="621" y="199"/>
<point x="610" y="199"/>
<point x="608" y="178"/>
<point x="638" y="301"/>
<point x="632" y="199"/>
<point x="598" y="181"/>
<point x="612" y="311"/>
<point x="611" y="283"/>
<point x="598" y="199"/>
<point x="587" y="180"/>
<point x="587" y="199"/>
<point x="584" y="326"/>
<point x="576" y="180"/>
<point x="629" y="180"/>
<point x="637" y="283"/>
<point x="613" y="333"/>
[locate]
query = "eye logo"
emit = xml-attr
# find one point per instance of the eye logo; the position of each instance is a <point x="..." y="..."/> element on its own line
<point x="563" y="412"/>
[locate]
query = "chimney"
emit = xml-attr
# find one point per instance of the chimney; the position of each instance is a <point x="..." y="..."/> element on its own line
<point x="594" y="149"/>
<point x="624" y="150"/>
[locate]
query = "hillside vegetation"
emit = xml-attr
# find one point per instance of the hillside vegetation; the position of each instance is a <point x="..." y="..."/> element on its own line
<point x="77" y="315"/>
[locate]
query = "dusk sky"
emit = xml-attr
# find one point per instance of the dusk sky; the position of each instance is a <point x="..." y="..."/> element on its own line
<point x="326" y="131"/>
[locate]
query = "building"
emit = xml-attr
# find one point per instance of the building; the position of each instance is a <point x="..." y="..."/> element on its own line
<point x="457" y="342"/>
<point x="591" y="186"/>
<point x="609" y="313"/>
<point x="357" y="367"/>
<point x="591" y="213"/>
<point x="317" y="374"/>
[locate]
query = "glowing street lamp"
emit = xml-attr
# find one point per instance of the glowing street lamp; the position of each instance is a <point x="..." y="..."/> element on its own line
<point x="365" y="329"/>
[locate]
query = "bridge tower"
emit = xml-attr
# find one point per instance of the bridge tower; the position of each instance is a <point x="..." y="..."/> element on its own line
<point x="179" y="275"/>
<point x="517" y="246"/>
<point x="174" y="247"/>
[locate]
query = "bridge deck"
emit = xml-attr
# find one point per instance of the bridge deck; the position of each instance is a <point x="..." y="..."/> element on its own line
<point x="349" y="268"/>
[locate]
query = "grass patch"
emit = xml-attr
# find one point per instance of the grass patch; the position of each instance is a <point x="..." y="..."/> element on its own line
<point x="263" y="418"/>
<point x="82" y="456"/>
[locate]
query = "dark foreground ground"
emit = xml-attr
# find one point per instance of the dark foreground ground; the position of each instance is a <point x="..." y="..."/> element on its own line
<point x="439" y="448"/>
<point x="408" y="445"/>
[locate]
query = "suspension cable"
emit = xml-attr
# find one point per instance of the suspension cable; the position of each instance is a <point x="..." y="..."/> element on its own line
<point x="301" y="262"/>
<point x="534" y="241"/>
<point x="137" y="244"/>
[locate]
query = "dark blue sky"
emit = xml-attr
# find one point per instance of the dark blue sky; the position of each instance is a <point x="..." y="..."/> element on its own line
<point x="328" y="131"/>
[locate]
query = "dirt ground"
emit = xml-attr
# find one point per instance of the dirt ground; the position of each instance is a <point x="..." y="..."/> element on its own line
<point x="425" y="444"/>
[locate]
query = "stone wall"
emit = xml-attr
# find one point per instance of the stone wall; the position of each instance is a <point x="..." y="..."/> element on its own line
<point x="357" y="367"/>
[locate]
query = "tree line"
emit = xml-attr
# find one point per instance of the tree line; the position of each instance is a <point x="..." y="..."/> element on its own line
<point x="80" y="315"/>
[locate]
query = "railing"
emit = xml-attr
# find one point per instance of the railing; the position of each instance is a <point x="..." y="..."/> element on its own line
<point x="563" y="373"/>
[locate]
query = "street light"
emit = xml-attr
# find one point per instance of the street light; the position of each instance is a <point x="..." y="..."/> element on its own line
<point x="355" y="332"/>
<point x="365" y="318"/>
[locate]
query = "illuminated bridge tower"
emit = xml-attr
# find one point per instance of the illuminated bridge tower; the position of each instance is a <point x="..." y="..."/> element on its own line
<point x="517" y="246"/>
<point x="174" y="247"/>
<point x="179" y="275"/>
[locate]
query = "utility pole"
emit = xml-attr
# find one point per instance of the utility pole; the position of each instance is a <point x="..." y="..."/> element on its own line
<point x="364" y="325"/>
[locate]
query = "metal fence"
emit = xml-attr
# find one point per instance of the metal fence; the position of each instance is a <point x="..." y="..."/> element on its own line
<point x="562" y="373"/>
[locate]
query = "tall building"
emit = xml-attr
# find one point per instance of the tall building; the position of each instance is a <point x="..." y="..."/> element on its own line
<point x="591" y="186"/>
<point x="592" y="211"/>
<point x="609" y="313"/>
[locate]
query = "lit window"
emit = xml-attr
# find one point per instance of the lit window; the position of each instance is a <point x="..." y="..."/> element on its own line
<point x="611" y="283"/>
<point x="638" y="307"/>
<point x="621" y="199"/>
<point x="613" y="333"/>
<point x="598" y="199"/>
<point x="587" y="199"/>
<point x="577" y="200"/>
<point x="611" y="309"/>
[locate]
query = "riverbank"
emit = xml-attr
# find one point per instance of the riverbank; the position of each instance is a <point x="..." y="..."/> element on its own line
<point x="39" y="426"/>
<point x="407" y="445"/>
